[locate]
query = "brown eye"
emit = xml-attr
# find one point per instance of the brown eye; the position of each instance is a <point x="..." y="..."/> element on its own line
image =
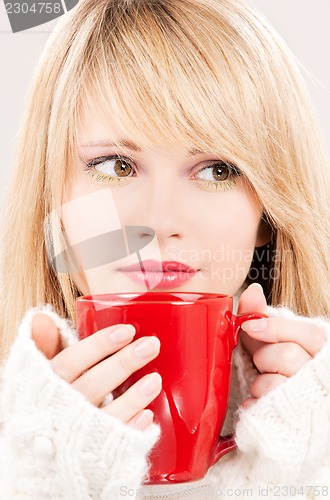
<point x="113" y="167"/>
<point x="122" y="168"/>
<point x="218" y="175"/>
<point x="220" y="171"/>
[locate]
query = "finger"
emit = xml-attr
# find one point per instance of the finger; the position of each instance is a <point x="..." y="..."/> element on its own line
<point x="107" y="375"/>
<point x="285" y="358"/>
<point x="142" y="420"/>
<point x="309" y="337"/>
<point x="137" y="397"/>
<point x="251" y="300"/>
<point x="264" y="383"/>
<point x="70" y="363"/>
<point x="248" y="402"/>
<point x="46" y="335"/>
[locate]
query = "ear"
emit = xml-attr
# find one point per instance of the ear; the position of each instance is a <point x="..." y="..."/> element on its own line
<point x="264" y="232"/>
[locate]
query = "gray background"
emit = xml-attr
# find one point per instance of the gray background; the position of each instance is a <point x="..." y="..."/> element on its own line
<point x="302" y="23"/>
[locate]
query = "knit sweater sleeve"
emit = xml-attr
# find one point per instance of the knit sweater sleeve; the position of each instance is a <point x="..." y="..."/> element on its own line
<point x="53" y="442"/>
<point x="283" y="440"/>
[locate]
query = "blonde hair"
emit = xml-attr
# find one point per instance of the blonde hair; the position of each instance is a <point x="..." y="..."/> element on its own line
<point x="207" y="74"/>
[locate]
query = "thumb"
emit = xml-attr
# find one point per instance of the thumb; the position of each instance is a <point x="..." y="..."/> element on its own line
<point x="252" y="300"/>
<point x="46" y="335"/>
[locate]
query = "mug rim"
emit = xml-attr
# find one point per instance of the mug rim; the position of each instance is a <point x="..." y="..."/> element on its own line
<point x="168" y="297"/>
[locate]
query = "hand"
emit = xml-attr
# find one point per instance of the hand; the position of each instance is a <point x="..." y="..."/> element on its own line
<point x="89" y="369"/>
<point x="279" y="347"/>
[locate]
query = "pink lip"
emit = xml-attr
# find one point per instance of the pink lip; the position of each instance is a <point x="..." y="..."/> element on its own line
<point x="154" y="274"/>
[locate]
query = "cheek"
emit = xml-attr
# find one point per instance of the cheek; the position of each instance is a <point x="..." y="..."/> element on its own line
<point x="231" y="222"/>
<point x="87" y="214"/>
<point x="229" y="238"/>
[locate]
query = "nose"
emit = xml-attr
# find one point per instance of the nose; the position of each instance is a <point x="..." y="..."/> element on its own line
<point x="161" y="208"/>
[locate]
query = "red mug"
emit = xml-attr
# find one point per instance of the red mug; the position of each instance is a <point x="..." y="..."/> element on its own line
<point x="197" y="332"/>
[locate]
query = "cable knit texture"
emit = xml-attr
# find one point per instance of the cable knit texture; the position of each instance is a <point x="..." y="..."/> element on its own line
<point x="283" y="440"/>
<point x="55" y="444"/>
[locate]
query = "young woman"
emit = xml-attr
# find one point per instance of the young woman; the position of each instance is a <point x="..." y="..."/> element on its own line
<point x="187" y="117"/>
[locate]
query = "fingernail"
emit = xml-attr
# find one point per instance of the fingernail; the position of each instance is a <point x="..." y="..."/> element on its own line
<point x="150" y="384"/>
<point x="256" y="285"/>
<point x="147" y="347"/>
<point x="254" y="325"/>
<point x="122" y="333"/>
<point x="143" y="420"/>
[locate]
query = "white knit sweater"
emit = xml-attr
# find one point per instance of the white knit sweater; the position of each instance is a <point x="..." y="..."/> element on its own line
<point x="55" y="445"/>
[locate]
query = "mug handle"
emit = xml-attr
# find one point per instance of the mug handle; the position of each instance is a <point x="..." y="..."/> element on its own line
<point x="227" y="443"/>
<point x="239" y="319"/>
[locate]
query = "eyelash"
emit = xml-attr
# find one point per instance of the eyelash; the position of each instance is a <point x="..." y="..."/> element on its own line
<point x="98" y="176"/>
<point x="224" y="185"/>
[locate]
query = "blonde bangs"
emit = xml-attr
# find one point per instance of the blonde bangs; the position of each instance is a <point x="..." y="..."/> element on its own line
<point x="163" y="72"/>
<point x="208" y="76"/>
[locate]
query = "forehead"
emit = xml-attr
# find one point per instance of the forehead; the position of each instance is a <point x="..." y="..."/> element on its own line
<point x="96" y="123"/>
<point x="102" y="127"/>
<point x="106" y="115"/>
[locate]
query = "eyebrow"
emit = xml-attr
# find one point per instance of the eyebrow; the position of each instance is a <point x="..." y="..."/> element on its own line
<point x="124" y="143"/>
<point x="130" y="145"/>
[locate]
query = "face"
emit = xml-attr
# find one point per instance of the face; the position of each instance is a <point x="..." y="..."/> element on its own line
<point x="156" y="218"/>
